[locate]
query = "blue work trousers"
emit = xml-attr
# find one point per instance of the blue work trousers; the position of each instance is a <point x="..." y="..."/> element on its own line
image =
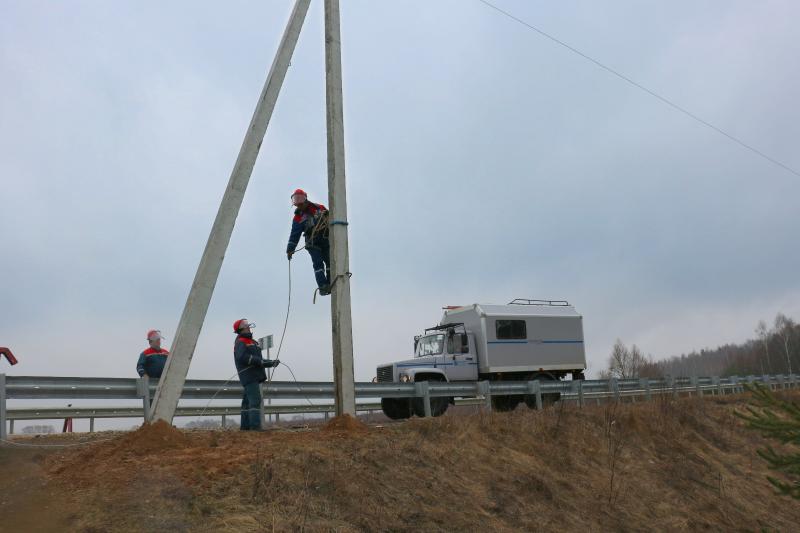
<point x="320" y="253"/>
<point x="251" y="407"/>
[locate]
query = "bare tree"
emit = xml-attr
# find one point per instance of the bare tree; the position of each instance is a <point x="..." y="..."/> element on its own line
<point x="625" y="363"/>
<point x="763" y="334"/>
<point x="784" y="327"/>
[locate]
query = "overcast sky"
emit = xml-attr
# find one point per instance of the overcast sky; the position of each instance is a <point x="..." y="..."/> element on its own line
<point x="484" y="163"/>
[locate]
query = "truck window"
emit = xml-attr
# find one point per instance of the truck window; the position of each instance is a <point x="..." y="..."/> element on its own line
<point x="511" y="329"/>
<point x="430" y="345"/>
<point x="457" y="344"/>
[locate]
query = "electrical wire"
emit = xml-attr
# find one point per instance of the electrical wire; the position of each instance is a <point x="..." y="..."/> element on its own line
<point x="271" y="372"/>
<point x="298" y="383"/>
<point x="283" y="334"/>
<point x="220" y="389"/>
<point x="643" y="88"/>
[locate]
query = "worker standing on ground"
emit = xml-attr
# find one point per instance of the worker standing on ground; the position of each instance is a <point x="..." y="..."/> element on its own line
<point x="311" y="220"/>
<point x="250" y="366"/>
<point x="152" y="360"/>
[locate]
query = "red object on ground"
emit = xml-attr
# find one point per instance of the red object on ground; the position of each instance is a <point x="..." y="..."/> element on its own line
<point x="9" y="355"/>
<point x="67" y="426"/>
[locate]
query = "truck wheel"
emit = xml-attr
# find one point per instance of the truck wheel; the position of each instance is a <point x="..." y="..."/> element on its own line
<point x="396" y="408"/>
<point x="547" y="399"/>
<point x="505" y="403"/>
<point x="438" y="406"/>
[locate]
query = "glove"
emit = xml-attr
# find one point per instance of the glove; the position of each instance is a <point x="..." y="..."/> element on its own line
<point x="270" y="363"/>
<point x="289" y="255"/>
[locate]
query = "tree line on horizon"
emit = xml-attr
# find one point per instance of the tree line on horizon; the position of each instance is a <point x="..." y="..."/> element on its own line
<point x="774" y="350"/>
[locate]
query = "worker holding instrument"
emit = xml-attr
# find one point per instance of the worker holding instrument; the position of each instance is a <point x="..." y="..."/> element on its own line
<point x="250" y="367"/>
<point x="311" y="220"/>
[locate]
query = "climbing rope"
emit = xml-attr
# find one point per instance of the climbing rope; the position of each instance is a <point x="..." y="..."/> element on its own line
<point x="270" y="371"/>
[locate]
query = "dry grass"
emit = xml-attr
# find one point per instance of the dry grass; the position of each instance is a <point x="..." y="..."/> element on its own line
<point x="667" y="465"/>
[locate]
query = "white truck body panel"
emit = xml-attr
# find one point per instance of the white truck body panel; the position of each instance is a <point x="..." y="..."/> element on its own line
<point x="551" y="338"/>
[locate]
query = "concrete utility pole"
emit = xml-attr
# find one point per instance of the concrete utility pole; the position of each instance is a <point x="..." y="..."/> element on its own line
<point x="194" y="312"/>
<point x="341" y="320"/>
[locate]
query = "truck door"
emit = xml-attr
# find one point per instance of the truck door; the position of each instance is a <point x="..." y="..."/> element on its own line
<point x="461" y="360"/>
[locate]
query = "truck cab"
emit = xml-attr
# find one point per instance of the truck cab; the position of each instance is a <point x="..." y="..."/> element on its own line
<point x="443" y="353"/>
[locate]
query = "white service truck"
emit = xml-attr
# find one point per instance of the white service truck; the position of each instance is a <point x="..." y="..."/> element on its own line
<point x="521" y="341"/>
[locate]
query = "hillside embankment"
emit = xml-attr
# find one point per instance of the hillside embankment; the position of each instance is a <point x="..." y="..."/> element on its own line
<point x="670" y="465"/>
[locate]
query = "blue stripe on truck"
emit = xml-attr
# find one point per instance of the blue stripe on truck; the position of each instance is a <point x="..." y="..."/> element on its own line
<point x="455" y="363"/>
<point x="537" y="342"/>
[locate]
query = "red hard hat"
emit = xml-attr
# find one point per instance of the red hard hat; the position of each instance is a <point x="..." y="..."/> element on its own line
<point x="241" y="324"/>
<point x="154" y="334"/>
<point x="299" y="197"/>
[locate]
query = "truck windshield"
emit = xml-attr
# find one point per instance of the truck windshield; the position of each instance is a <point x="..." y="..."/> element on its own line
<point x="430" y="345"/>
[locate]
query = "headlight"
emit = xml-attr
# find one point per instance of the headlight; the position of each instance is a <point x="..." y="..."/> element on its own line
<point x="404" y="378"/>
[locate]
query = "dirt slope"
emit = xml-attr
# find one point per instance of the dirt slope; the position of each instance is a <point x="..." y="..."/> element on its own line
<point x="686" y="465"/>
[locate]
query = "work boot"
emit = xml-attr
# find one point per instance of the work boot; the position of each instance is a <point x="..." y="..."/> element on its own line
<point x="325" y="290"/>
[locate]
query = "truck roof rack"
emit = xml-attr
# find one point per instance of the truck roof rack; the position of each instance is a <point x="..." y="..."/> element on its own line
<point x="444" y="326"/>
<point x="525" y="301"/>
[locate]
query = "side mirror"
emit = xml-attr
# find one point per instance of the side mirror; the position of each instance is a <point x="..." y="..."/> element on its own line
<point x="416" y="341"/>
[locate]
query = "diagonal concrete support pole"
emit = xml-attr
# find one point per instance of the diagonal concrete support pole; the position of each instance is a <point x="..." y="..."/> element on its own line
<point x="341" y="319"/>
<point x="194" y="312"/>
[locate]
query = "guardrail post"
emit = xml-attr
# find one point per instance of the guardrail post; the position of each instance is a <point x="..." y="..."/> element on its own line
<point x="3" y="434"/>
<point x="673" y="383"/>
<point x="613" y="384"/>
<point x="421" y="390"/>
<point x="11" y="427"/>
<point x="224" y="421"/>
<point x="261" y="412"/>
<point x="767" y="381"/>
<point x="696" y="382"/>
<point x="644" y="383"/>
<point x="535" y="389"/>
<point x="718" y="387"/>
<point x="580" y="393"/>
<point x="143" y="390"/>
<point x="734" y="381"/>
<point x="484" y="388"/>
<point x="327" y="415"/>
<point x="793" y="381"/>
<point x="91" y="424"/>
<point x="781" y="382"/>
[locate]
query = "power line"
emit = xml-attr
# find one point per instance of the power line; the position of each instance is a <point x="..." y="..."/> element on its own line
<point x="643" y="88"/>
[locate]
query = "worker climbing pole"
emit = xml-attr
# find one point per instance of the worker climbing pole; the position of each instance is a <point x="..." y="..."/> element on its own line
<point x="311" y="220"/>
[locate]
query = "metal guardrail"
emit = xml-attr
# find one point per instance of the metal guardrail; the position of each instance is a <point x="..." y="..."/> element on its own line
<point x="474" y="392"/>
